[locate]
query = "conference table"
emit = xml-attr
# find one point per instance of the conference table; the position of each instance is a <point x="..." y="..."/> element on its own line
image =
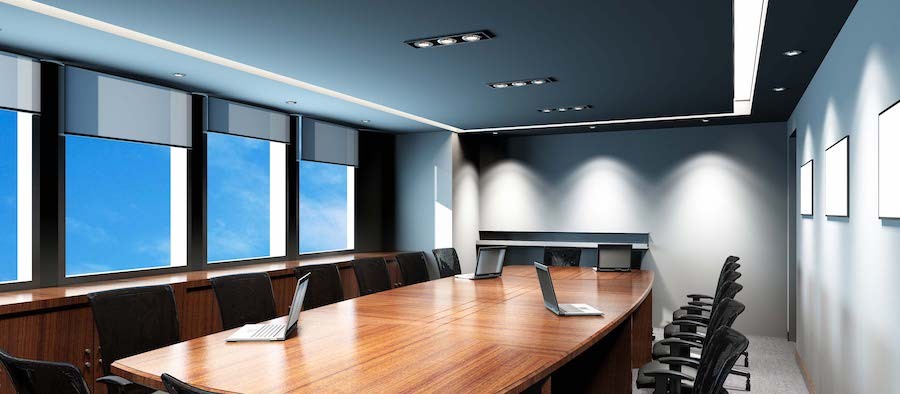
<point x="445" y="335"/>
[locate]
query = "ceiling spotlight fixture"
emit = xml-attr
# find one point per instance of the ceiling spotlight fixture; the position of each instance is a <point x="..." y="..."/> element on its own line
<point x="521" y="83"/>
<point x="779" y="89"/>
<point x="450" y="39"/>
<point x="793" y="52"/>
<point x="447" y="41"/>
<point x="592" y="127"/>
<point x="495" y="133"/>
<point x="705" y="120"/>
<point x="179" y="75"/>
<point x="366" y="121"/>
<point x="290" y="102"/>
<point x="565" y="109"/>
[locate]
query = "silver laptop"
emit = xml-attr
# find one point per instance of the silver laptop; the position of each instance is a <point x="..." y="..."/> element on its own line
<point x="613" y="258"/>
<point x="550" y="297"/>
<point x="274" y="332"/>
<point x="489" y="264"/>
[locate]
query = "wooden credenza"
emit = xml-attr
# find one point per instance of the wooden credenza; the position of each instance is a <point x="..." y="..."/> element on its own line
<point x="56" y="324"/>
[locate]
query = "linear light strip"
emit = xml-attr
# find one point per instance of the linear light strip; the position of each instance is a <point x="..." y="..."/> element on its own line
<point x="205" y="56"/>
<point x="600" y="122"/>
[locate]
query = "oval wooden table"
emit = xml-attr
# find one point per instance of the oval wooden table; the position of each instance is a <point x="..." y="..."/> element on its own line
<point x="447" y="335"/>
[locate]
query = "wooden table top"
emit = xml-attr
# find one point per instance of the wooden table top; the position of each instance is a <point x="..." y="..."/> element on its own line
<point x="51" y="297"/>
<point x="446" y="335"/>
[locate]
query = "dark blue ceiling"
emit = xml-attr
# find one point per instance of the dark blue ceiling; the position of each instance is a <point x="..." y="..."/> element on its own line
<point x="628" y="59"/>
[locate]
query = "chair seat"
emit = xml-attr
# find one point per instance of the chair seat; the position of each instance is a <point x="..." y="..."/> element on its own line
<point x="677" y="315"/>
<point x="648" y="382"/>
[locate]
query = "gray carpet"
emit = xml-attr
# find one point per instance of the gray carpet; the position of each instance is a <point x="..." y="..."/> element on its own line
<point x="772" y="365"/>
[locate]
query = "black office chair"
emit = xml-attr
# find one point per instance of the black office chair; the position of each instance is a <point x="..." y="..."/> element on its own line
<point x="688" y="328"/>
<point x="702" y="307"/>
<point x="562" y="257"/>
<point x="372" y="275"/>
<point x="244" y="298"/>
<point x="719" y="356"/>
<point x="324" y="286"/>
<point x="731" y="264"/>
<point x="36" y="377"/>
<point x="175" y="386"/>
<point x="447" y="261"/>
<point x="132" y="321"/>
<point x="412" y="266"/>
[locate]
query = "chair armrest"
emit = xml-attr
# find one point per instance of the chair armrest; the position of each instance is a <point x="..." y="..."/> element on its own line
<point x="115" y="384"/>
<point x="689" y="323"/>
<point x="688" y="336"/>
<point x="681" y="361"/>
<point x="698" y="297"/>
<point x="695" y="310"/>
<point x="700" y="303"/>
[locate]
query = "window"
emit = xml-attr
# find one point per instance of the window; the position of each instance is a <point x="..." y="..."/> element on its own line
<point x="126" y="206"/>
<point x="326" y="207"/>
<point x="15" y="196"/>
<point x="246" y="198"/>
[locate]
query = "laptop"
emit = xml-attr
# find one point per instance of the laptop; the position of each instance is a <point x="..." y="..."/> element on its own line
<point x="550" y="297"/>
<point x="489" y="264"/>
<point x="613" y="258"/>
<point x="274" y="332"/>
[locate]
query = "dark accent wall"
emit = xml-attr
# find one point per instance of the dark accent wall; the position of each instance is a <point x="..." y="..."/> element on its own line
<point x="375" y="183"/>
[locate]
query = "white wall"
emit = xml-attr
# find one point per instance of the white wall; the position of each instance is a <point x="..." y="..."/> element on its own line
<point x="702" y="193"/>
<point x="848" y="274"/>
<point x="424" y="199"/>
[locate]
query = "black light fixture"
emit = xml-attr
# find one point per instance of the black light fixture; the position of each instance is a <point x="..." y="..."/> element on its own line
<point x="450" y="39"/>
<point x="520" y="83"/>
<point x="290" y="102"/>
<point x="573" y="108"/>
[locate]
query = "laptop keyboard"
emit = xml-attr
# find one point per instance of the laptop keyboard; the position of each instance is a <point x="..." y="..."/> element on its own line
<point x="568" y="309"/>
<point x="268" y="330"/>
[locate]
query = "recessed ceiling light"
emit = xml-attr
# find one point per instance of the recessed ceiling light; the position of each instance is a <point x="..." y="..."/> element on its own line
<point x="578" y="108"/>
<point x="565" y="109"/>
<point x="366" y="121"/>
<point x="290" y="102"/>
<point x="446" y="41"/>
<point x="546" y="110"/>
<point x="495" y="133"/>
<point x="779" y="89"/>
<point x="793" y="52"/>
<point x="520" y="83"/>
<point x="450" y="39"/>
<point x="179" y="75"/>
<point x="592" y="127"/>
<point x="705" y="120"/>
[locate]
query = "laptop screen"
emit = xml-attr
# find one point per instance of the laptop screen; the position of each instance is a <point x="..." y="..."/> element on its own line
<point x="614" y="256"/>
<point x="490" y="260"/>
<point x="297" y="303"/>
<point x="543" y="275"/>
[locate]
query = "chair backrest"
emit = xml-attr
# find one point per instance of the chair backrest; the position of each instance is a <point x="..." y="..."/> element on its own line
<point x="244" y="298"/>
<point x="412" y="267"/>
<point x="729" y="266"/>
<point x="731" y="276"/>
<point x="447" y="261"/>
<point x="372" y="275"/>
<point x="720" y="353"/>
<point x="37" y="377"/>
<point x="325" y="285"/>
<point x="562" y="257"/>
<point x="134" y="320"/>
<point x="175" y="386"/>
<point x="724" y="313"/>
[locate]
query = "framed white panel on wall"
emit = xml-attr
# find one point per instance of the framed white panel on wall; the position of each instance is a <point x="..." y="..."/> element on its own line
<point x="806" y="188"/>
<point x="889" y="163"/>
<point x="837" y="179"/>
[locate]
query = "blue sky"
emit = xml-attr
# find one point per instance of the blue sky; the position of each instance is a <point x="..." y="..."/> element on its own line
<point x="117" y="205"/>
<point x="237" y="197"/>
<point x="323" y="207"/>
<point x="8" y="225"/>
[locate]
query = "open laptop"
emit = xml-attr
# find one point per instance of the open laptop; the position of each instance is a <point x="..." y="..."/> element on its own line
<point x="489" y="264"/>
<point x="274" y="332"/>
<point x="613" y="258"/>
<point x="550" y="301"/>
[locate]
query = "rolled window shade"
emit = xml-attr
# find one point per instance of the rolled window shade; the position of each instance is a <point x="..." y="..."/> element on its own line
<point x="328" y="143"/>
<point x="107" y="106"/>
<point x="20" y="83"/>
<point x="225" y="116"/>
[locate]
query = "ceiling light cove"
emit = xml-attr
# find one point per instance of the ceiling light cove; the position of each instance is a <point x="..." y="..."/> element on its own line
<point x="450" y="39"/>
<point x="519" y="84"/>
<point x="573" y="108"/>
